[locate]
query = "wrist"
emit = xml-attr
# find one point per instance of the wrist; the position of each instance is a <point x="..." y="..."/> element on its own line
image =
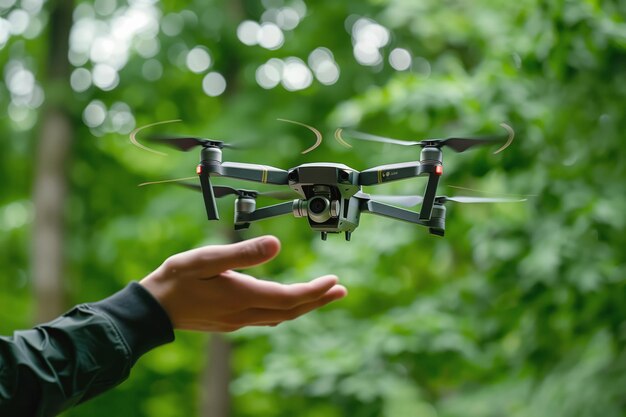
<point x="159" y="291"/>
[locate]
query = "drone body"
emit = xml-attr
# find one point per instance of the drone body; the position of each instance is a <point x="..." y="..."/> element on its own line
<point x="330" y="194"/>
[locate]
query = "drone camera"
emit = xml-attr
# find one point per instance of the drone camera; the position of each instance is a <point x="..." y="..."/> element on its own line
<point x="318" y="208"/>
<point x="318" y="205"/>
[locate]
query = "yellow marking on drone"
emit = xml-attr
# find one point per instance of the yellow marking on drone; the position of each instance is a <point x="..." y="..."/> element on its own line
<point x="317" y="133"/>
<point x="264" y="176"/>
<point x="380" y="176"/>
<point x="133" y="136"/>
<point x="339" y="138"/>
<point x="166" y="181"/>
<point x="509" y="139"/>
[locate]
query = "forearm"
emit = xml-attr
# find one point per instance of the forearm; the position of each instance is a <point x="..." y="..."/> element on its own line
<point x="85" y="352"/>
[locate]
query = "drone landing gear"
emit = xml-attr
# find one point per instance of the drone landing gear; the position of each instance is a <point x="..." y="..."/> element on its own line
<point x="435" y="231"/>
<point x="324" y="235"/>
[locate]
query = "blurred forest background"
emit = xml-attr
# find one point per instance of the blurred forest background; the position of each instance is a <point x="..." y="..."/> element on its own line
<point x="519" y="311"/>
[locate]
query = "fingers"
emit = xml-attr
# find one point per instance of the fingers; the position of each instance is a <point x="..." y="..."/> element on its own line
<point x="276" y="296"/>
<point x="264" y="316"/>
<point x="209" y="261"/>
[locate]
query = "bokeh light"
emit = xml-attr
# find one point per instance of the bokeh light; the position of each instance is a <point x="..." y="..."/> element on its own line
<point x="6" y="4"/>
<point x="152" y="69"/>
<point x="104" y="7"/>
<point x="323" y="64"/>
<point x="19" y="20"/>
<point x="16" y="214"/>
<point x="368" y="37"/>
<point x="198" y="59"/>
<point x="22" y="86"/>
<point x="421" y="66"/>
<point x="117" y="119"/>
<point x="107" y="43"/>
<point x="247" y="32"/>
<point x="5" y="32"/>
<point x="287" y="18"/>
<point x="400" y="59"/>
<point x="270" y="36"/>
<point x="120" y="119"/>
<point x="147" y="47"/>
<point x="32" y="6"/>
<point x="213" y="84"/>
<point x="20" y="82"/>
<point x="172" y="24"/>
<point x="105" y="77"/>
<point x="269" y="74"/>
<point x="94" y="114"/>
<point x="296" y="75"/>
<point x="80" y="80"/>
<point x="22" y="21"/>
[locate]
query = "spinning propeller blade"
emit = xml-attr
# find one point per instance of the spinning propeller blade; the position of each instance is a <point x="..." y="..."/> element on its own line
<point x="457" y="144"/>
<point x="220" y="191"/>
<point x="372" y="138"/>
<point x="400" y="200"/>
<point x="183" y="143"/>
<point x="318" y="135"/>
<point x="463" y="199"/>
<point x="167" y="181"/>
<point x="281" y="195"/>
<point x="414" y="200"/>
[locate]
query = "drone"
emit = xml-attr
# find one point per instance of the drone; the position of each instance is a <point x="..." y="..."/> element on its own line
<point x="329" y="195"/>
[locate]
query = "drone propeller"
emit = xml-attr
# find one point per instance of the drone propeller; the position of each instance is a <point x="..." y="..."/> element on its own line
<point x="464" y="199"/>
<point x="185" y="143"/>
<point x="455" y="143"/>
<point x="318" y="135"/>
<point x="220" y="191"/>
<point x="414" y="200"/>
<point x="167" y="181"/>
<point x="400" y="200"/>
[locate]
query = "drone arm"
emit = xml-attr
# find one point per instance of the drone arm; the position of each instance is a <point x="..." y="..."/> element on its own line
<point x="252" y="172"/>
<point x="392" y="172"/>
<point x="436" y="225"/>
<point x="385" y="210"/>
<point x="242" y="219"/>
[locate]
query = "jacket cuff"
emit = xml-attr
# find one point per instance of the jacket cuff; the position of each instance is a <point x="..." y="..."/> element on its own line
<point x="140" y="318"/>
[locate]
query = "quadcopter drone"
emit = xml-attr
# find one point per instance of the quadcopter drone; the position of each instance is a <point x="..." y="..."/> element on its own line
<point x="329" y="195"/>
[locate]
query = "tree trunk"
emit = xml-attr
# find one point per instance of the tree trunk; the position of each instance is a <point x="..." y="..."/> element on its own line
<point x="50" y="188"/>
<point x="215" y="398"/>
<point x="215" y="395"/>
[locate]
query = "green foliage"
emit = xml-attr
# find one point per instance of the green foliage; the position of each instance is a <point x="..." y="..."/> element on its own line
<point x="519" y="311"/>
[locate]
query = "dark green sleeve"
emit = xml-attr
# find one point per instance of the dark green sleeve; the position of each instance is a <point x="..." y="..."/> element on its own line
<point x="83" y="353"/>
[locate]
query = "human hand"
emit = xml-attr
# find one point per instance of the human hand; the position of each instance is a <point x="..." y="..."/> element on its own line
<point x="200" y="291"/>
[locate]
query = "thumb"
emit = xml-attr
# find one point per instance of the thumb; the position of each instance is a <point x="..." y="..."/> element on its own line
<point x="217" y="259"/>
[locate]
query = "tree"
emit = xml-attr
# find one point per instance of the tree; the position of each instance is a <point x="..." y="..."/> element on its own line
<point x="517" y="311"/>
